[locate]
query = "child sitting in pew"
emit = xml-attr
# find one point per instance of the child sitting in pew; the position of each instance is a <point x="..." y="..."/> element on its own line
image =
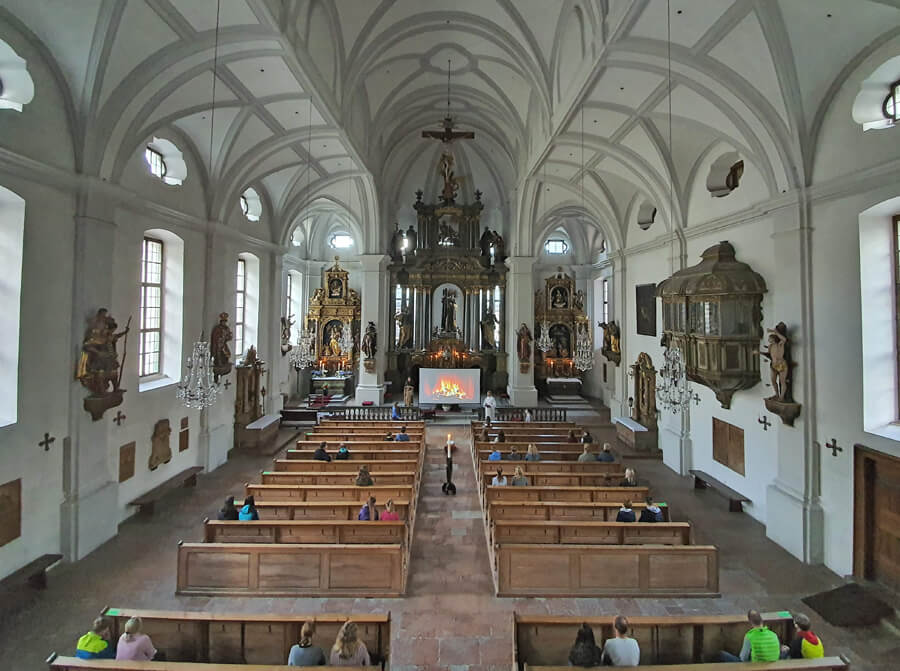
<point x="499" y="480"/>
<point x="651" y="512"/>
<point x="389" y="514"/>
<point x="519" y="479"/>
<point x="532" y="454"/>
<point x="305" y="653"/>
<point x="368" y="512"/>
<point x="248" y="512"/>
<point x="348" y="650"/>
<point x="621" y="650"/>
<point x="606" y="454"/>
<point x="586" y="455"/>
<point x="363" y="479"/>
<point x="133" y="645"/>
<point x="585" y="651"/>
<point x="96" y="644"/>
<point x="630" y="479"/>
<point x="343" y="453"/>
<point x="495" y="456"/>
<point x="626" y="514"/>
<point x="228" y="511"/>
<point x="321" y="454"/>
<point x="514" y="454"/>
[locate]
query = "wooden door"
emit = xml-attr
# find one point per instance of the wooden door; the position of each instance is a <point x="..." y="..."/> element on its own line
<point x="877" y="517"/>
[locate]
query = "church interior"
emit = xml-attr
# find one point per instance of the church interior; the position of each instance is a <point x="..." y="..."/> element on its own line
<point x="335" y="262"/>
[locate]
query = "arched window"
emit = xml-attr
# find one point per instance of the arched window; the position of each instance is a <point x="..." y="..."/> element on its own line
<point x="156" y="162"/>
<point x="341" y="241"/>
<point x="891" y="106"/>
<point x="161" y="309"/>
<point x="12" y="233"/>
<point x="246" y="314"/>
<point x="646" y="215"/>
<point x="876" y="104"/>
<point x="251" y="205"/>
<point x="556" y="246"/>
<point x="293" y="303"/>
<point x="16" y="85"/>
<point x="164" y="160"/>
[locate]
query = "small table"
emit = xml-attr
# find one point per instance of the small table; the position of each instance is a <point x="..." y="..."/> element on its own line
<point x="261" y="433"/>
<point x="634" y="434"/>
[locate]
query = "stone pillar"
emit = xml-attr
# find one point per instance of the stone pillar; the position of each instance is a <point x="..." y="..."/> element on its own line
<point x="89" y="514"/>
<point x="374" y="301"/>
<point x="520" y="296"/>
<point x="618" y="401"/>
<point x="794" y="515"/>
<point x="279" y="370"/>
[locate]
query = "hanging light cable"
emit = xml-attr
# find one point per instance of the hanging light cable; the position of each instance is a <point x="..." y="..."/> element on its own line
<point x="584" y="349"/>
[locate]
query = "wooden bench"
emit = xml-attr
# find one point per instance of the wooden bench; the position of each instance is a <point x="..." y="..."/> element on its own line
<point x="323" y="510"/>
<point x="617" y="495"/>
<point x="338" y="466"/>
<point x="328" y="493"/>
<point x="279" y="570"/>
<point x="74" y="664"/>
<point x="822" y="664"/>
<point x="331" y="446"/>
<point x="606" y="570"/>
<point x="363" y="456"/>
<point x="561" y="479"/>
<point x="673" y="639"/>
<point x="564" y="511"/>
<point x="304" y="531"/>
<point x="735" y="499"/>
<point x="261" y="433"/>
<point x="247" y="638"/>
<point x="553" y="455"/>
<point x="558" y="446"/>
<point x="298" y="415"/>
<point x="590" y="533"/>
<point x="589" y="467"/>
<point x="502" y="424"/>
<point x="319" y="478"/>
<point x="146" y="502"/>
<point x="18" y="585"/>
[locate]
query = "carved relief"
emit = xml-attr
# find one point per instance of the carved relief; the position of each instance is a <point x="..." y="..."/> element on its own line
<point x="10" y="511"/>
<point x="126" y="461"/>
<point x="160" y="451"/>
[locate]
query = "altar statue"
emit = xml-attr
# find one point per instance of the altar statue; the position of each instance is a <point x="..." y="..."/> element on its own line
<point x="370" y="341"/>
<point x="286" y="324"/>
<point x="219" y="338"/>
<point x="98" y="368"/>
<point x="448" y="311"/>
<point x="404" y="321"/>
<point x="395" y="247"/>
<point x="451" y="185"/>
<point x="523" y="345"/>
<point x="408" y="391"/>
<point x="334" y="344"/>
<point x="412" y="241"/>
<point x="488" y="323"/>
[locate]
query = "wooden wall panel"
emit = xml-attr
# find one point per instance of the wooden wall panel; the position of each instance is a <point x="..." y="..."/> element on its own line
<point x="10" y="511"/>
<point x="728" y="445"/>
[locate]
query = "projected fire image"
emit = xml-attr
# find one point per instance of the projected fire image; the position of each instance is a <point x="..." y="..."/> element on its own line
<point x="450" y="386"/>
<point x="450" y="389"/>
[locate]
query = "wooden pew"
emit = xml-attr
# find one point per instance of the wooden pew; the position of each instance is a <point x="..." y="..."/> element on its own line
<point x="364" y="456"/>
<point x="576" y="494"/>
<point x="823" y="664"/>
<point x="563" y="511"/>
<point x="333" y="445"/>
<point x="278" y="570"/>
<point x="588" y="467"/>
<point x="590" y="533"/>
<point x="674" y="639"/>
<point x="549" y="445"/>
<point x="313" y="465"/>
<point x="56" y="663"/>
<point x="328" y="493"/>
<point x="323" y="510"/>
<point x="300" y="531"/>
<point x="606" y="570"/>
<point x="502" y="424"/>
<point x="550" y="455"/>
<point x="349" y="436"/>
<point x="319" y="478"/>
<point x="247" y="638"/>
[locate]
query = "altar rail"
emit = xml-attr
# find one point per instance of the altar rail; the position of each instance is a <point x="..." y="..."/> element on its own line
<point x="542" y="414"/>
<point x="374" y="413"/>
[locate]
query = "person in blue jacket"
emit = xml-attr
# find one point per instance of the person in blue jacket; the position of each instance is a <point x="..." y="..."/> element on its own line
<point x="400" y="437"/>
<point x="96" y="643"/>
<point x="395" y="411"/>
<point x="248" y="512"/>
<point x="495" y="455"/>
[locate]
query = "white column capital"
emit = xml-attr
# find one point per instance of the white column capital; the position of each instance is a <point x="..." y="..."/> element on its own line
<point x="373" y="262"/>
<point x="520" y="264"/>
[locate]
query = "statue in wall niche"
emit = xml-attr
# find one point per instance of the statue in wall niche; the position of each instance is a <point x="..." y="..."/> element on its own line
<point x="369" y="344"/>
<point x="578" y="300"/>
<point x="160" y="452"/>
<point x="610" y="347"/>
<point x="404" y="321"/>
<point x="780" y="364"/>
<point x="98" y="367"/>
<point x="523" y="343"/>
<point x="219" y="338"/>
<point x="448" y="311"/>
<point x="395" y="246"/>
<point x="559" y="298"/>
<point x="488" y="326"/>
<point x="412" y="241"/>
<point x="334" y="342"/>
<point x="286" y="324"/>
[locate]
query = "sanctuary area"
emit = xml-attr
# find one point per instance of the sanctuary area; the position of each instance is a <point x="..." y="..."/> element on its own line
<point x="496" y="334"/>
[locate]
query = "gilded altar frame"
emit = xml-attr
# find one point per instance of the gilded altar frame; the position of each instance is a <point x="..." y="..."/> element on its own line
<point x="561" y="306"/>
<point x="331" y="304"/>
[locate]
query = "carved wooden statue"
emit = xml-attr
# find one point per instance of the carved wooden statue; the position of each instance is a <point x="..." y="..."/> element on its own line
<point x="644" y="410"/>
<point x="611" y="347"/>
<point x="219" y="338"/>
<point x="286" y="324"/>
<point x="369" y="344"/>
<point x="405" y="322"/>
<point x="488" y="325"/>
<point x="160" y="451"/>
<point x="98" y="366"/>
<point x="523" y="344"/>
<point x="780" y="365"/>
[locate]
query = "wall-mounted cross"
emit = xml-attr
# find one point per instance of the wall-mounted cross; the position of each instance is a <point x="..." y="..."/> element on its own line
<point x="765" y="422"/>
<point x="696" y="399"/>
<point x="227" y="383"/>
<point x="833" y="446"/>
<point x="45" y="443"/>
<point x="119" y="418"/>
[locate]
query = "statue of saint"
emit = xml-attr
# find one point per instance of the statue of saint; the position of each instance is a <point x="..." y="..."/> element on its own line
<point x="614" y="337"/>
<point x="370" y="341"/>
<point x="451" y="186"/>
<point x="523" y="344"/>
<point x="219" y="338"/>
<point x="395" y="248"/>
<point x="448" y="311"/>
<point x="412" y="241"/>
<point x="404" y="321"/>
<point x="488" y="324"/>
<point x="334" y="344"/>
<point x="578" y="300"/>
<point x="408" y="391"/>
<point x="499" y="247"/>
<point x="98" y="367"/>
<point x="485" y="242"/>
<point x="779" y="364"/>
<point x="286" y="324"/>
<point x="558" y="298"/>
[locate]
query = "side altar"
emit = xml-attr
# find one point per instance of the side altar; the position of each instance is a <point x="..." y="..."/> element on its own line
<point x="448" y="285"/>
<point x="561" y="326"/>
<point x="333" y="319"/>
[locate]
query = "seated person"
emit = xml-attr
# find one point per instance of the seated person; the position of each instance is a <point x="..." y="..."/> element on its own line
<point x="320" y="454"/>
<point x="487" y="423"/>
<point x="519" y="479"/>
<point x="805" y="644"/>
<point x="363" y="479"/>
<point x="630" y="479"/>
<point x="96" y="644"/>
<point x="626" y="514"/>
<point x="484" y="436"/>
<point x="395" y="411"/>
<point x="528" y="416"/>
<point x="586" y="437"/>
<point x="760" y="643"/>
<point x="606" y="453"/>
<point x="572" y="438"/>
<point x="402" y="437"/>
<point x="514" y="454"/>
<point x="499" y="480"/>
<point x="651" y="513"/>
<point x="305" y="653"/>
<point x="368" y="512"/>
<point x="389" y="514"/>
<point x="586" y="454"/>
<point x="343" y="453"/>
<point x="585" y="651"/>
<point x="228" y="511"/>
<point x="133" y="645"/>
<point x="348" y="650"/>
<point x="500" y="437"/>
<point x="621" y="650"/>
<point x="532" y="454"/>
<point x="248" y="512"/>
<point x="495" y="456"/>
<point x="389" y="437"/>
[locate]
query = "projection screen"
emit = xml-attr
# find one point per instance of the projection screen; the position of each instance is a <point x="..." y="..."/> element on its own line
<point x="450" y="385"/>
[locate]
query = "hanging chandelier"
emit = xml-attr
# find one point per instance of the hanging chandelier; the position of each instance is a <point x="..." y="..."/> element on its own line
<point x="198" y="389"/>
<point x="543" y="342"/>
<point x="673" y="391"/>
<point x="584" y="351"/>
<point x="301" y="356"/>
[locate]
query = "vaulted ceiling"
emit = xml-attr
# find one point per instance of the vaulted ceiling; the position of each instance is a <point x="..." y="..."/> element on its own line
<point x="325" y="100"/>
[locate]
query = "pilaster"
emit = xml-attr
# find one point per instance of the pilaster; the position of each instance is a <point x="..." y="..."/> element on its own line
<point x="374" y="309"/>
<point x="520" y="308"/>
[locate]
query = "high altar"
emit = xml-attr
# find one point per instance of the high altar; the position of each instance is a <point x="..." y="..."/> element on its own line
<point x="334" y="314"/>
<point x="448" y="284"/>
<point x="559" y="309"/>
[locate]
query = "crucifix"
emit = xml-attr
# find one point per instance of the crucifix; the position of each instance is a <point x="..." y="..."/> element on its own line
<point x="45" y="443"/>
<point x="447" y="134"/>
<point x="833" y="446"/>
<point x="227" y="383"/>
<point x="765" y="422"/>
<point x="119" y="418"/>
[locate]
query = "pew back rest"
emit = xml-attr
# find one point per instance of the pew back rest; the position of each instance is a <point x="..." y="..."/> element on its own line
<point x="823" y="664"/>
<point x="244" y="638"/>
<point x="75" y="664"/>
